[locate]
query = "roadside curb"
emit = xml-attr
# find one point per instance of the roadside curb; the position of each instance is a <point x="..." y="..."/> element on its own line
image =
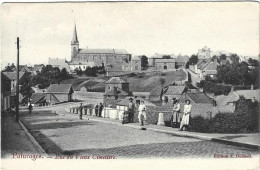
<point x="36" y="144"/>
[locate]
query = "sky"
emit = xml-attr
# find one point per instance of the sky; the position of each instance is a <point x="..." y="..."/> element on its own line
<point x="143" y="28"/>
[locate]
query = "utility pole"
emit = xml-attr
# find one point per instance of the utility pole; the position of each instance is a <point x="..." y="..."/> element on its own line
<point x="17" y="82"/>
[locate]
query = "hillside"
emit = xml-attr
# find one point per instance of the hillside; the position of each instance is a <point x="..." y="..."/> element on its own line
<point x="146" y="82"/>
<point x="141" y="82"/>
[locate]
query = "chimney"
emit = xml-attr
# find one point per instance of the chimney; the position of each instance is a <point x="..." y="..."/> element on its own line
<point x="215" y="61"/>
<point x="252" y="87"/>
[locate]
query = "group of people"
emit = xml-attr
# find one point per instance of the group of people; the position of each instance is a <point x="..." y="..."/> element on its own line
<point x="99" y="109"/>
<point x="141" y="112"/>
<point x="178" y="118"/>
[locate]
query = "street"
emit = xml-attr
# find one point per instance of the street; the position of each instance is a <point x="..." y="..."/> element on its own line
<point x="66" y="135"/>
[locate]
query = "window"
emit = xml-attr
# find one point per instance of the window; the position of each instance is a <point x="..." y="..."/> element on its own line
<point x="136" y="67"/>
<point x="165" y="67"/>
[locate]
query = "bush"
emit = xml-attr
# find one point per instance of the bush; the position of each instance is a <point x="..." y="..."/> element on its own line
<point x="244" y="120"/>
<point x="211" y="87"/>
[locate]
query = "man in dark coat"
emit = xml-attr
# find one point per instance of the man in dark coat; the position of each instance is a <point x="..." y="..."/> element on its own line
<point x="131" y="107"/>
<point x="80" y="111"/>
<point x="30" y="108"/>
<point x="100" y="109"/>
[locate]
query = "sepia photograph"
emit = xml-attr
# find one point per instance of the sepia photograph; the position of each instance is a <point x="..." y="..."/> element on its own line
<point x="120" y="85"/>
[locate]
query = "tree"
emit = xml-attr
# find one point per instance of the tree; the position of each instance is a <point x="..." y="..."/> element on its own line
<point x="166" y="57"/>
<point x="193" y="59"/>
<point x="234" y="58"/>
<point x="91" y="71"/>
<point x="253" y="62"/>
<point x="144" y="61"/>
<point x="49" y="75"/>
<point x="215" y="58"/>
<point x="223" y="57"/>
<point x="78" y="71"/>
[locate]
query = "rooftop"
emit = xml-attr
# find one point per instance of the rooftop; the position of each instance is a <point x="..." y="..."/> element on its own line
<point x="171" y="90"/>
<point x="12" y="75"/>
<point x="115" y="80"/>
<point x="59" y="88"/>
<point x="102" y="51"/>
<point x="199" y="98"/>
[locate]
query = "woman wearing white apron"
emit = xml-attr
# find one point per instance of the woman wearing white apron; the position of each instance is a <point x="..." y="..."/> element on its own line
<point x="186" y="115"/>
<point x="142" y="113"/>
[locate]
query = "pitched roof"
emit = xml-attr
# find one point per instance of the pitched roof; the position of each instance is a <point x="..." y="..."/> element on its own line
<point x="248" y="94"/>
<point x="102" y="51"/>
<point x="136" y="58"/>
<point x="59" y="88"/>
<point x="56" y="61"/>
<point x="211" y="66"/>
<point x="182" y="58"/>
<point x="199" y="97"/>
<point x="172" y="90"/>
<point x="115" y="80"/>
<point x="12" y="75"/>
<point x="36" y="97"/>
<point x="223" y="100"/>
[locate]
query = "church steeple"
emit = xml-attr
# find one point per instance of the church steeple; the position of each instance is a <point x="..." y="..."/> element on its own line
<point x="74" y="45"/>
<point x="75" y="37"/>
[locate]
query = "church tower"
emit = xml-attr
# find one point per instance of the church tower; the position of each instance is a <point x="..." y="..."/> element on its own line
<point x="74" y="44"/>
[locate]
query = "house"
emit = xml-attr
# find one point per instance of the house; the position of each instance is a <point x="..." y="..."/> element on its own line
<point x="60" y="63"/>
<point x="5" y="93"/>
<point x="164" y="64"/>
<point x="209" y="69"/>
<point x="171" y="92"/>
<point x="116" y="88"/>
<point x="38" y="99"/>
<point x="201" y="104"/>
<point x="234" y="95"/>
<point x="135" y="64"/>
<point x="204" y="53"/>
<point x="13" y="75"/>
<point x="181" y="61"/>
<point x="38" y="67"/>
<point x="57" y="93"/>
<point x="13" y="96"/>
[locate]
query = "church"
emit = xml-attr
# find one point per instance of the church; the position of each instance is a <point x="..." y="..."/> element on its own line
<point x="115" y="61"/>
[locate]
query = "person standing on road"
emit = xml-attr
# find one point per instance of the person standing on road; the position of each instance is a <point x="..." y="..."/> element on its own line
<point x="186" y="115"/>
<point x="96" y="109"/>
<point x="142" y="113"/>
<point x="131" y="108"/>
<point x="176" y="117"/>
<point x="100" y="109"/>
<point x="30" y="108"/>
<point x="80" y="111"/>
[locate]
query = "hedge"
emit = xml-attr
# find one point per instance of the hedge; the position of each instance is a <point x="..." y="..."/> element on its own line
<point x="244" y="120"/>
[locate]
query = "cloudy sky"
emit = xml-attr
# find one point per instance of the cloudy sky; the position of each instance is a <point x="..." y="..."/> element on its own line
<point x="45" y="29"/>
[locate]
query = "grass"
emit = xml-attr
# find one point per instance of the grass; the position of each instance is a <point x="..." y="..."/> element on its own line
<point x="141" y="82"/>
